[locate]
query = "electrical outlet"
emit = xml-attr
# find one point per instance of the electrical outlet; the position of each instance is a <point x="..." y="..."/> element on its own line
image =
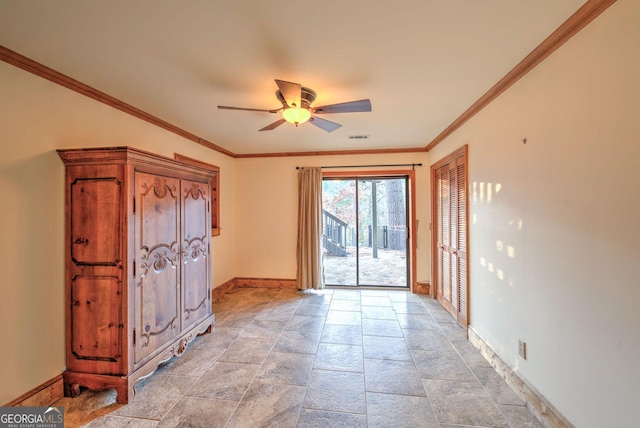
<point x="522" y="349"/>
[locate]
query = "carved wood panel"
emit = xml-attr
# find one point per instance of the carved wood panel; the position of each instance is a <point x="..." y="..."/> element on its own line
<point x="195" y="252"/>
<point x="157" y="246"/>
<point x="96" y="318"/>
<point x="95" y="221"/>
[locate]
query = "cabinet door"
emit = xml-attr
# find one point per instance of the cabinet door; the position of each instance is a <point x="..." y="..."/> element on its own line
<point x="196" y="230"/>
<point x="157" y="255"/>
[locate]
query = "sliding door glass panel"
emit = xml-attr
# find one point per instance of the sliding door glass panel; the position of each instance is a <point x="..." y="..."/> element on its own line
<point x="365" y="236"/>
<point x="383" y="243"/>
<point x="339" y="232"/>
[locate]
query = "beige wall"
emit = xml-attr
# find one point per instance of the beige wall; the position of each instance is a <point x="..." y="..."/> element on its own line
<point x="36" y="118"/>
<point x="267" y="210"/>
<point x="554" y="235"/>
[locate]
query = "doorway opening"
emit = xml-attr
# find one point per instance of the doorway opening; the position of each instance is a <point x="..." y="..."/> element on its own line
<point x="366" y="239"/>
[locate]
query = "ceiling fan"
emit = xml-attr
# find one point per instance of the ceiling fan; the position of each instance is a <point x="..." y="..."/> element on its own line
<point x="296" y="107"/>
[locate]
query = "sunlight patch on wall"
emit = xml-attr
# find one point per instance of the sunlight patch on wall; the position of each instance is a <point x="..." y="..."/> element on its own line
<point x="485" y="191"/>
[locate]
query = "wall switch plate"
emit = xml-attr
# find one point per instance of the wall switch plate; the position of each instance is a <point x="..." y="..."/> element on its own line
<point x="522" y="349"/>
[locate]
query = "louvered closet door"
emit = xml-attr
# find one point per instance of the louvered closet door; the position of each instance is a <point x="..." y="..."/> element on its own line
<point x="450" y="188"/>
<point x="444" y="238"/>
<point x="461" y="242"/>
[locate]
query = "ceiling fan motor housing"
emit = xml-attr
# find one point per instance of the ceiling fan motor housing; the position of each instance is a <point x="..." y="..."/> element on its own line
<point x="307" y="96"/>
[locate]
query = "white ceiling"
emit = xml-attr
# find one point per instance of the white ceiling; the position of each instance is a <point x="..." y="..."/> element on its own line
<point x="421" y="62"/>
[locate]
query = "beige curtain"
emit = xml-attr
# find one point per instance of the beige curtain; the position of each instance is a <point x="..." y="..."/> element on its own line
<point x="310" y="229"/>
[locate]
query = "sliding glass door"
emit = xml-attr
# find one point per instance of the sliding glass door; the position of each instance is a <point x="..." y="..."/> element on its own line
<point x="365" y="234"/>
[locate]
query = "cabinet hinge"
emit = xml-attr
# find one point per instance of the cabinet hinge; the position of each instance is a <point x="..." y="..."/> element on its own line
<point x="134" y="204"/>
<point x="134" y="268"/>
<point x="134" y="337"/>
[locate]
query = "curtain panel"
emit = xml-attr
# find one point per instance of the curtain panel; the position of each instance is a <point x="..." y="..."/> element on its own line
<point x="309" y="257"/>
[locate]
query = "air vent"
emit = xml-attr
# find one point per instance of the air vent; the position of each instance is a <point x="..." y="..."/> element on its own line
<point x="358" y="137"/>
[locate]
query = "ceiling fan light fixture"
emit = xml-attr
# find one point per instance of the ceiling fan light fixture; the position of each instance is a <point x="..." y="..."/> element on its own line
<point x="296" y="115"/>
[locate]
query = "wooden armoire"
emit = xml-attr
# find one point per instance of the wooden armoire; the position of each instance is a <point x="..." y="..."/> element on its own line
<point x="138" y="264"/>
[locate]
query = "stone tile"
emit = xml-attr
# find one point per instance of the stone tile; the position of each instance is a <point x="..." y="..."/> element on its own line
<point x="498" y="389"/>
<point x="336" y="391"/>
<point x="199" y="412"/>
<point x="288" y="293"/>
<point x="453" y="331"/>
<point x="399" y="411"/>
<point x="266" y="404"/>
<point x="389" y="328"/>
<point x="344" y="318"/>
<point x="234" y="319"/>
<point x="225" y="381"/>
<point x="344" y="305"/>
<point x="346" y="334"/>
<point x="410" y="308"/>
<point x="155" y="396"/>
<point x="417" y="322"/>
<point x="271" y="313"/>
<point x="313" y="297"/>
<point x="323" y="419"/>
<point x="312" y="310"/>
<point x="262" y="329"/>
<point x="374" y="293"/>
<point x="346" y="295"/>
<point x="463" y="403"/>
<point x="263" y="349"/>
<point x="378" y="313"/>
<point x="299" y="342"/>
<point x="428" y="340"/>
<point x="255" y="294"/>
<point x="305" y="323"/>
<point x="403" y="296"/>
<point x="519" y="416"/>
<point x="441" y="365"/>
<point x="332" y="356"/>
<point x="194" y="362"/>
<point x="109" y="421"/>
<point x="238" y="307"/>
<point x="441" y="315"/>
<point x="221" y="337"/>
<point x="247" y="350"/>
<point x="379" y="301"/>
<point x="393" y="377"/>
<point x="386" y="348"/>
<point x="470" y="354"/>
<point x="292" y="369"/>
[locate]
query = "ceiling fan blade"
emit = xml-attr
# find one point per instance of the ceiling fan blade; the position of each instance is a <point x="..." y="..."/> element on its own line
<point x="274" y="125"/>
<point x="348" y="107"/>
<point x="249" y="109"/>
<point x="325" y="124"/>
<point x="291" y="92"/>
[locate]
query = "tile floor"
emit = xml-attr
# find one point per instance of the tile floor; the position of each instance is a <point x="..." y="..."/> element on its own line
<point x="335" y="358"/>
